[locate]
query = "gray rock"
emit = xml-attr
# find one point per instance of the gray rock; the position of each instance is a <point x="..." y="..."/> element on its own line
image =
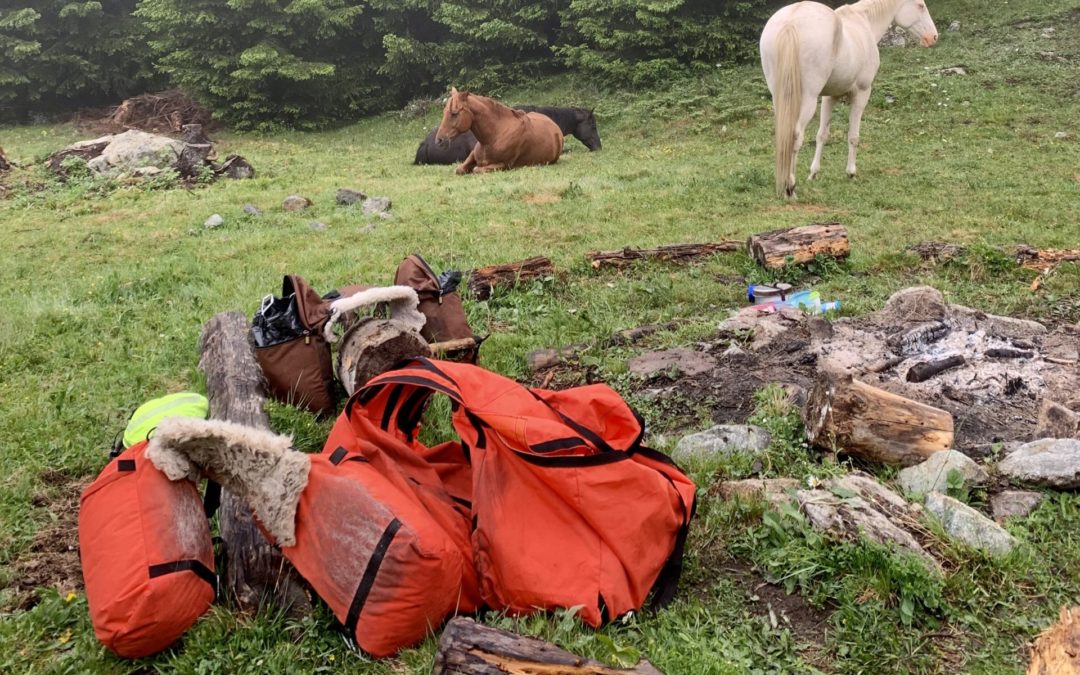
<point x="347" y="197"/>
<point x="1057" y="421"/>
<point x="915" y="304"/>
<point x="1014" y="504"/>
<point x="932" y="475"/>
<point x="953" y="27"/>
<point x="955" y="70"/>
<point x="722" y="439"/>
<point x="1062" y="135"/>
<point x="1048" y="32"/>
<point x="685" y="361"/>
<point x="964" y="523"/>
<point x="214" y="221"/>
<point x="146" y="172"/>
<point x="317" y="226"/>
<point x="377" y="205"/>
<point x="895" y="37"/>
<point x="295" y="203"/>
<point x="819" y="327"/>
<point x="252" y="210"/>
<point x="1050" y="462"/>
<point x="136" y="149"/>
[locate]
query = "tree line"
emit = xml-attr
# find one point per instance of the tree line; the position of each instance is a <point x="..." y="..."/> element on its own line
<point x="303" y="63"/>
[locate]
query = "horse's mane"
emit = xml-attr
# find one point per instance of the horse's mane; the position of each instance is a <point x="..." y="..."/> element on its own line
<point x="876" y="11"/>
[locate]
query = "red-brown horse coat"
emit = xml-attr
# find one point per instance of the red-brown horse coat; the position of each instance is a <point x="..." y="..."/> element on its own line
<point x="506" y="138"/>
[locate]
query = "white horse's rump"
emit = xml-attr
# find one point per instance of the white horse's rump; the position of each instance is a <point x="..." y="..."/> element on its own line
<point x="808" y="49"/>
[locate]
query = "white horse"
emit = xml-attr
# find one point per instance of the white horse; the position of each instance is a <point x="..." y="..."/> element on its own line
<point x="808" y="49"/>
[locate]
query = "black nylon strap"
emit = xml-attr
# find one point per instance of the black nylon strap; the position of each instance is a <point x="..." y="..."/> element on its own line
<point x="587" y="433"/>
<point x="391" y="404"/>
<point x="125" y="465"/>
<point x="201" y="570"/>
<point x="337" y="455"/>
<point x="211" y="498"/>
<point x="368" y="580"/>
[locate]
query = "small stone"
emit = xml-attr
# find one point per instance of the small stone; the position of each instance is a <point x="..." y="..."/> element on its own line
<point x="367" y="229"/>
<point x="915" y="304"/>
<point x="953" y="27"/>
<point x="295" y="203"/>
<point x="252" y="210"/>
<point x="347" y="197"/>
<point x="819" y="327"/>
<point x="955" y="70"/>
<point x="1048" y="32"/>
<point x="1014" y="504"/>
<point x="317" y="226"/>
<point x="964" y="523"/>
<point x="932" y="475"/>
<point x="890" y="99"/>
<point x="680" y="359"/>
<point x="214" y="221"/>
<point x="1062" y="135"/>
<point x="1057" y="421"/>
<point x="722" y="439"/>
<point x="1050" y="462"/>
<point x="377" y="205"/>
<point x="893" y="38"/>
<point x="146" y="171"/>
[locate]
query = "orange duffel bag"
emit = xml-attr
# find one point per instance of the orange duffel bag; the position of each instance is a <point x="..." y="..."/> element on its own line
<point x="568" y="508"/>
<point x="147" y="556"/>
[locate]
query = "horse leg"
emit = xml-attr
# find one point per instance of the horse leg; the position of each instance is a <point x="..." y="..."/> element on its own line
<point x="859" y="99"/>
<point x="806" y="113"/>
<point x="469" y="164"/>
<point x="490" y="167"/>
<point x="822" y="134"/>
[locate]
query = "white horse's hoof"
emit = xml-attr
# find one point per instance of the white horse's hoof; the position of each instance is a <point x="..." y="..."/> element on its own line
<point x="813" y="175"/>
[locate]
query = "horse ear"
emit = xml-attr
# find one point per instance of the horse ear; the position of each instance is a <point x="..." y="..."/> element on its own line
<point x="453" y="91"/>
<point x="464" y="95"/>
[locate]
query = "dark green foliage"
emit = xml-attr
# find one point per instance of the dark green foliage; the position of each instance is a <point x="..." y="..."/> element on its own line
<point x="55" y="54"/>
<point x="470" y="43"/>
<point x="296" y="63"/>
<point x="631" y="42"/>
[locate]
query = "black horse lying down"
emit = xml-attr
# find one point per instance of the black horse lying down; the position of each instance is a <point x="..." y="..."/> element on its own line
<point x="577" y="122"/>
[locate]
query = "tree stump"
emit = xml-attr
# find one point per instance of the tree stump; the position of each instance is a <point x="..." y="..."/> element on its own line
<point x="874" y="424"/>
<point x="798" y="245"/>
<point x="86" y="150"/>
<point x="678" y="253"/>
<point x="484" y="280"/>
<point x="374" y="346"/>
<point x="1057" y="650"/>
<point x="256" y="575"/>
<point x="469" y="648"/>
<point x="5" y="163"/>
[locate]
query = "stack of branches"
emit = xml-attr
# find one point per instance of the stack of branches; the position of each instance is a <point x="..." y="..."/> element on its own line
<point x="163" y="112"/>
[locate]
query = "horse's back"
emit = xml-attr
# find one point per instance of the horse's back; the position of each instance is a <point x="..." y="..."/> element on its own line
<point x="816" y="28"/>
<point x="543" y="139"/>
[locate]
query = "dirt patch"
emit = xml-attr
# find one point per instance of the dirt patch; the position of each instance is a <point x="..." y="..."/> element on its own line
<point x="540" y="198"/>
<point x="797" y="207"/>
<point x="52" y="559"/>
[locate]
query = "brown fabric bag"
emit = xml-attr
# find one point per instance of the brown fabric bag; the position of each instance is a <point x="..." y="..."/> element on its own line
<point x="300" y="372"/>
<point x="445" y="313"/>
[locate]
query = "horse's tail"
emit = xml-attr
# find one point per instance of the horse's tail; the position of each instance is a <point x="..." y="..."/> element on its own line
<point x="787" y="101"/>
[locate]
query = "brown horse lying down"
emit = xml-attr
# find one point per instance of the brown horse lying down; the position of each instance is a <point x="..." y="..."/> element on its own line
<point x="506" y="138"/>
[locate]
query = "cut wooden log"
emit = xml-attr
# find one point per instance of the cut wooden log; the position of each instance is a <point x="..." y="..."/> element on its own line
<point x="374" y="346"/>
<point x="678" y="253"/>
<point x="85" y="150"/>
<point x="542" y="359"/>
<point x="1057" y="650"/>
<point x="470" y="648"/>
<point x="921" y="372"/>
<point x="798" y="245"/>
<point x="483" y="281"/>
<point x="256" y="574"/>
<point x="1041" y="259"/>
<point x="936" y="250"/>
<point x="871" y="423"/>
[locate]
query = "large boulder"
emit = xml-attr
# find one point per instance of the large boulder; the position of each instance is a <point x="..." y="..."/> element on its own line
<point x="1050" y="462"/>
<point x="136" y="149"/>
<point x="965" y="524"/>
<point x="932" y="475"/>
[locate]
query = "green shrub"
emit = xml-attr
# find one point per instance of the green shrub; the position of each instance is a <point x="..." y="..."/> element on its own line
<point x="58" y="54"/>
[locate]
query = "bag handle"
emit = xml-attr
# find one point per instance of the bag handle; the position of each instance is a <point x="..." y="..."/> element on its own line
<point x="402" y="300"/>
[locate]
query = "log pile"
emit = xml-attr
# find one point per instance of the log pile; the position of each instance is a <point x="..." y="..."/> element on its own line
<point x="798" y="245"/>
<point x="162" y="112"/>
<point x="676" y="253"/>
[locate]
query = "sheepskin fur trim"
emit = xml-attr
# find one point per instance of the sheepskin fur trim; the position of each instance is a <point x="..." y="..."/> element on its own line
<point x="402" y="300"/>
<point x="257" y="466"/>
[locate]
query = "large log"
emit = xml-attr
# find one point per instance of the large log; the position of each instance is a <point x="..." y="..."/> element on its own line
<point x="483" y="281"/>
<point x="679" y="253"/>
<point x="470" y="648"/>
<point x="372" y="347"/>
<point x="256" y="574"/>
<point x="1057" y="649"/>
<point x="798" y="245"/>
<point x="871" y="423"/>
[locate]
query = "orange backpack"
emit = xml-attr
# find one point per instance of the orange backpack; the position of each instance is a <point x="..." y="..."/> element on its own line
<point x="147" y="557"/>
<point x="567" y="507"/>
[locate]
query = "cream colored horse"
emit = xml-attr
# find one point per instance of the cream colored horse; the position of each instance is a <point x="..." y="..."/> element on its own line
<point x="808" y="49"/>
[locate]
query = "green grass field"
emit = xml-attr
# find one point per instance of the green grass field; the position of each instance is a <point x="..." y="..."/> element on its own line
<point x="106" y="287"/>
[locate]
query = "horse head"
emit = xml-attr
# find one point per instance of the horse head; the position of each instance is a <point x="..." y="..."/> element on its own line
<point x="586" y="129"/>
<point x="914" y="17"/>
<point x="457" y="118"/>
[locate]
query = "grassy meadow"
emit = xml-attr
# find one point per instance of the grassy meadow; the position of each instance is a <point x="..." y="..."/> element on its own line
<point x="106" y="285"/>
